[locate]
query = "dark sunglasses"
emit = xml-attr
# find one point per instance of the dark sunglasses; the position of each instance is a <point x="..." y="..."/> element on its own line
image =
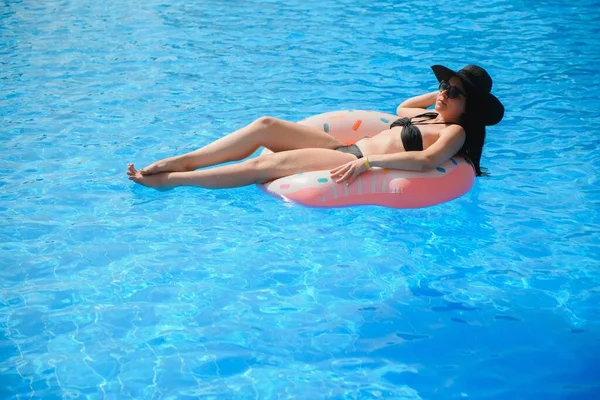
<point x="453" y="91"/>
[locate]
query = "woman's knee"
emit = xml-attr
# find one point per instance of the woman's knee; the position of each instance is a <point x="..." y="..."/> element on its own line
<point x="261" y="167"/>
<point x="259" y="163"/>
<point x="266" y="121"/>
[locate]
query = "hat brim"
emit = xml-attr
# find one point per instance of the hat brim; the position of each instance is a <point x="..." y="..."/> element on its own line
<point x="490" y="108"/>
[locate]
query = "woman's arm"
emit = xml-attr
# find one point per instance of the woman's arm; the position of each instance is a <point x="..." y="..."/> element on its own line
<point x="450" y="141"/>
<point x="421" y="102"/>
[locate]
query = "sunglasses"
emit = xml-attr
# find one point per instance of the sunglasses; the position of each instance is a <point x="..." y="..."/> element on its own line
<point x="453" y="91"/>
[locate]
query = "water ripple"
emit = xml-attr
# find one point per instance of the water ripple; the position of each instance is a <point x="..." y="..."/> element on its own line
<point x="113" y="291"/>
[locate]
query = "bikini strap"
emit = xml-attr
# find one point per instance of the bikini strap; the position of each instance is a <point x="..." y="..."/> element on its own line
<point x="430" y="115"/>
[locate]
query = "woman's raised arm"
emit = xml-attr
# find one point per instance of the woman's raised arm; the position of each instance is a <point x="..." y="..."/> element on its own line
<point x="421" y="102"/>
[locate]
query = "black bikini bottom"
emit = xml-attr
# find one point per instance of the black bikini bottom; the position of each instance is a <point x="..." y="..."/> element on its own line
<point x="352" y="149"/>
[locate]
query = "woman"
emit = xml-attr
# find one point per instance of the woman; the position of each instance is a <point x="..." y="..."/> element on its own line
<point x="418" y="141"/>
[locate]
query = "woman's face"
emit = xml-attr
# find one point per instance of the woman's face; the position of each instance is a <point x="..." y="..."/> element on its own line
<point x="451" y="109"/>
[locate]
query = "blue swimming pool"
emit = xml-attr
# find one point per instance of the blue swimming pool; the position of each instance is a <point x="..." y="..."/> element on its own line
<point x="109" y="290"/>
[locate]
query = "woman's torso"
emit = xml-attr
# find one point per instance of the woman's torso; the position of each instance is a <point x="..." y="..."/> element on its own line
<point x="390" y="141"/>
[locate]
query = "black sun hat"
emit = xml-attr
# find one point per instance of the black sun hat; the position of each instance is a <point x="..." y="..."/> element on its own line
<point x="478" y="83"/>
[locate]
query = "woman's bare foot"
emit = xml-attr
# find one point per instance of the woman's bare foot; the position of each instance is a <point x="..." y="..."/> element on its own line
<point x="156" y="181"/>
<point x="171" y="164"/>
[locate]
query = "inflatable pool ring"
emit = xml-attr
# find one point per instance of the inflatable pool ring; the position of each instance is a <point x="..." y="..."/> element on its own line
<point x="378" y="186"/>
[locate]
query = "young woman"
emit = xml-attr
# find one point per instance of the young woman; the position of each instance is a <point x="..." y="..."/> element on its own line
<point x="418" y="141"/>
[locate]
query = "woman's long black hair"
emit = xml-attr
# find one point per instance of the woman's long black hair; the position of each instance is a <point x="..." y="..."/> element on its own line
<point x="475" y="135"/>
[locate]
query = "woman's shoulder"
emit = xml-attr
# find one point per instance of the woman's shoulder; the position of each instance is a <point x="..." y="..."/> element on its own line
<point x="454" y="130"/>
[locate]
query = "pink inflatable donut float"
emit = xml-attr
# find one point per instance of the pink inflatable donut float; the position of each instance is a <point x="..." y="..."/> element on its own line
<point x="383" y="187"/>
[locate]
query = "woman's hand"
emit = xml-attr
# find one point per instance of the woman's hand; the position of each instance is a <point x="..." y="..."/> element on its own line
<point x="350" y="171"/>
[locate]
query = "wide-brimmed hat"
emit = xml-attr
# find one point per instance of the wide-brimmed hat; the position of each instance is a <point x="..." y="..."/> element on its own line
<point x="477" y="83"/>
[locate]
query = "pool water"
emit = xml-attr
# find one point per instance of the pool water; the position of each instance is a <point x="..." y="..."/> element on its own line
<point x="109" y="290"/>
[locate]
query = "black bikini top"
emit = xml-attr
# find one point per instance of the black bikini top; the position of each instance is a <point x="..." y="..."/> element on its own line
<point x="411" y="135"/>
<point x="407" y="123"/>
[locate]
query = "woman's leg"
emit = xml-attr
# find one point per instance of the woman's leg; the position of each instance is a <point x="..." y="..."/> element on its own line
<point x="255" y="170"/>
<point x="275" y="134"/>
